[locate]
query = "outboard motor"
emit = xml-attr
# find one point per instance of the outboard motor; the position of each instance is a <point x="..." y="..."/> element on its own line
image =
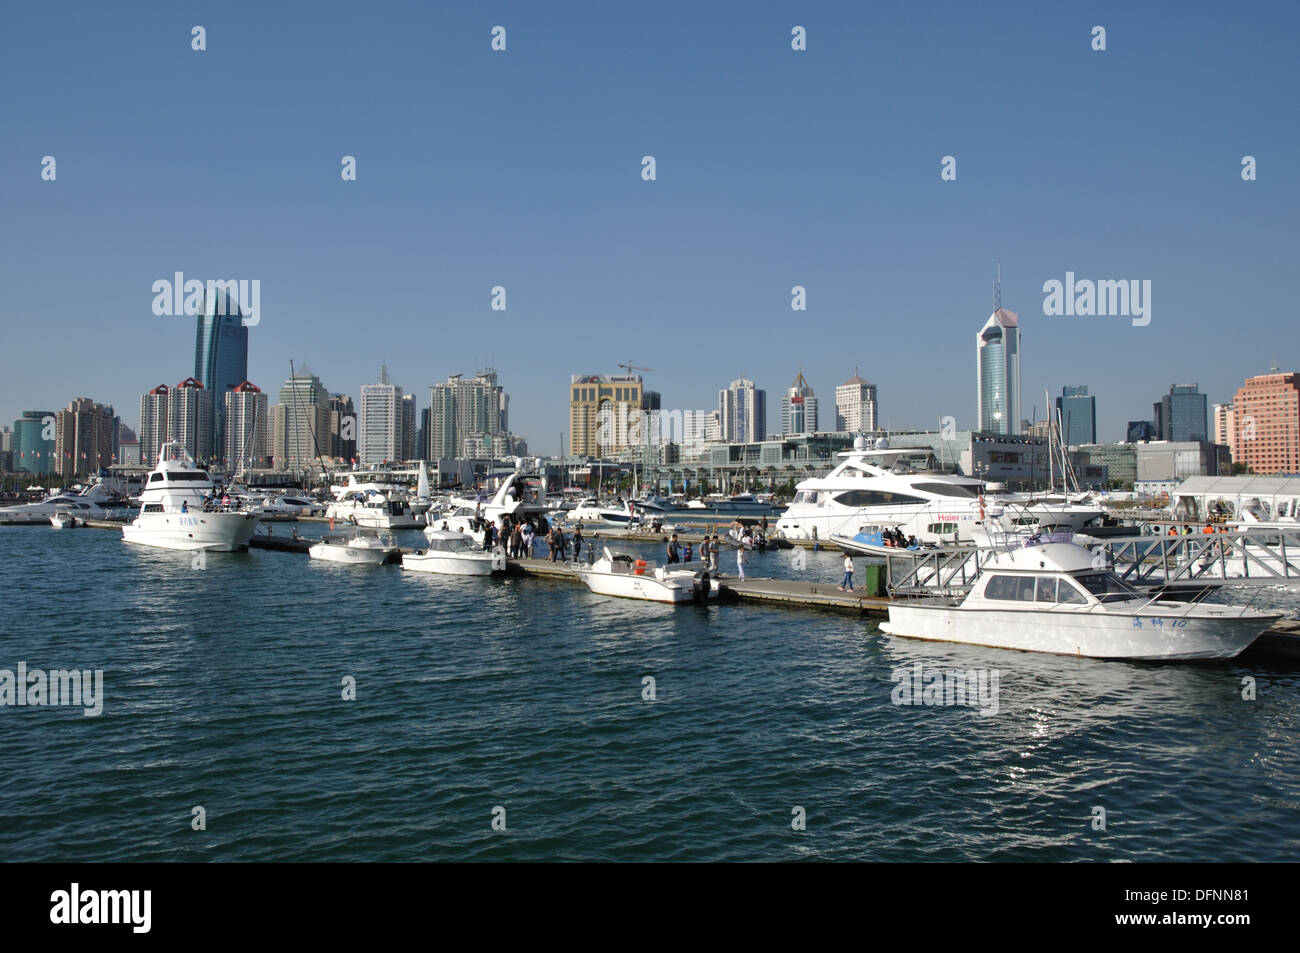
<point x="700" y="586"/>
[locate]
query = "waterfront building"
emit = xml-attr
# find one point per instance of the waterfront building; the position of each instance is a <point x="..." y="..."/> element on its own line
<point x="342" y="428"/>
<point x="855" y="406"/>
<point x="997" y="358"/>
<point x="1223" y="423"/>
<point x="742" y="411"/>
<point x="247" y="426"/>
<point x="1266" y="416"/>
<point x="1119" y="459"/>
<point x="300" y="422"/>
<point x="465" y="410"/>
<point x="799" y="408"/>
<point x="1162" y="464"/>
<point x="220" y="356"/>
<point x="153" y="424"/>
<point x="85" y="438"/>
<point x="189" y="419"/>
<point x="33" y="442"/>
<point x="381" y="437"/>
<point x="1076" y="413"/>
<point x="604" y="414"/>
<point x="1182" y="415"/>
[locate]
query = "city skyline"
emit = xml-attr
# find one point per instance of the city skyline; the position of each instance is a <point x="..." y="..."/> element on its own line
<point x="797" y="172"/>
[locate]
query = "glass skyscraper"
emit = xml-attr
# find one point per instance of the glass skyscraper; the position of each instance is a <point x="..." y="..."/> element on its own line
<point x="1078" y="416"/>
<point x="1183" y="414"/>
<point x="220" y="358"/>
<point x="998" y="373"/>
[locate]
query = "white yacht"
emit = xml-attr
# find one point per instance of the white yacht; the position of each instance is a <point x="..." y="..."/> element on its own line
<point x="871" y="487"/>
<point x="175" y="514"/>
<point x="630" y="577"/>
<point x="1055" y="511"/>
<point x="66" y="518"/>
<point x="375" y="510"/>
<point x="518" y="496"/>
<point x="453" y="553"/>
<point x="359" y="549"/>
<point x="88" y="502"/>
<point x="1055" y="597"/>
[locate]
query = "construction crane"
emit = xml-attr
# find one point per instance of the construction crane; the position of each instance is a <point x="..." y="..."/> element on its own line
<point x="633" y="368"/>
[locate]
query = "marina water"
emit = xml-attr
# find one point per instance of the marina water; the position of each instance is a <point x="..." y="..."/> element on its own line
<point x="223" y="689"/>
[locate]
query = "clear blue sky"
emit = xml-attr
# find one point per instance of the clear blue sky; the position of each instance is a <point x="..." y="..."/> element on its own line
<point x="775" y="168"/>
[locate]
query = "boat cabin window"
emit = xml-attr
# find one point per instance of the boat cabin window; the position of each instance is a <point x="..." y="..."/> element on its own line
<point x="153" y="508"/>
<point x="805" y="496"/>
<point x="942" y="529"/>
<point x="1107" y="586"/>
<point x="452" y="545"/>
<point x="1010" y="588"/>
<point x="1051" y="589"/>
<point x="875" y="498"/>
<point x="947" y="489"/>
<point x="155" y="478"/>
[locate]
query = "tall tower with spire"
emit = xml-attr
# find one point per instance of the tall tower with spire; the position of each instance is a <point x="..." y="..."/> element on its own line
<point x="799" y="408"/>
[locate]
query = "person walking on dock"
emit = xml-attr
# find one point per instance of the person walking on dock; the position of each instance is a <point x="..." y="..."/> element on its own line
<point x="740" y="563"/>
<point x="577" y="544"/>
<point x="715" y="552"/>
<point x="672" y="549"/>
<point x="704" y="552"/>
<point x="848" y="574"/>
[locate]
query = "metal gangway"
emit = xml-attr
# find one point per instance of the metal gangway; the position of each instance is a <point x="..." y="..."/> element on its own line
<point x="1259" y="556"/>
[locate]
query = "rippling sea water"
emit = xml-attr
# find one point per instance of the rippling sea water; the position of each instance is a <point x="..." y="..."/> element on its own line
<point x="223" y="689"/>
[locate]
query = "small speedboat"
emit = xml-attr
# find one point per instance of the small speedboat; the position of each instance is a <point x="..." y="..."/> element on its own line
<point x="1061" y="598"/>
<point x="360" y="549"/>
<point x="64" y="520"/>
<point x="629" y="577"/>
<point x="455" y="554"/>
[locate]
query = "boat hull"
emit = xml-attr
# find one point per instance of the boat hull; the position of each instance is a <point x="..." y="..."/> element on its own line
<point x="449" y="565"/>
<point x="644" y="587"/>
<point x="217" y="532"/>
<point x="348" y="555"/>
<point x="1083" y="633"/>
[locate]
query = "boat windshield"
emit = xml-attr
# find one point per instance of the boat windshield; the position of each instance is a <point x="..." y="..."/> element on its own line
<point x="452" y="545"/>
<point x="1107" y="587"/>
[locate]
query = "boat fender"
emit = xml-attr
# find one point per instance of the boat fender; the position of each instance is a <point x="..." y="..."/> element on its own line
<point x="640" y="567"/>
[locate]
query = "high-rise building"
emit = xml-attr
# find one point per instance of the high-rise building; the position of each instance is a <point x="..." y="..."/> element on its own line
<point x="300" y="422"/>
<point x="34" y="442"/>
<point x="1266" y="411"/>
<point x="997" y="358"/>
<point x="742" y="410"/>
<point x="247" y="426"/>
<point x="465" y="409"/>
<point x="1224" y="424"/>
<point x="380" y="439"/>
<point x="189" y="419"/>
<point x="799" y="408"/>
<point x="343" y="428"/>
<point x="220" y="356"/>
<point x="700" y="427"/>
<point x="1076" y="413"/>
<point x="855" y="406"/>
<point x="604" y="412"/>
<point x="1182" y="415"/>
<point x="128" y="446"/>
<point x="153" y="424"/>
<point x="85" y="438"/>
<point x="422" y="435"/>
<point x="408" y="428"/>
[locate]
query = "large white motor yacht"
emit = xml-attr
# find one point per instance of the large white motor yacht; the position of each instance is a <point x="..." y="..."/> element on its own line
<point x="870" y="488"/>
<point x="88" y="502"/>
<point x="520" y="497"/>
<point x="174" y="513"/>
<point x="1058" y="597"/>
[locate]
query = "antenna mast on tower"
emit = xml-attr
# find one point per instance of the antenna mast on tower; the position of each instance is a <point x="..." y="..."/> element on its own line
<point x="997" y="288"/>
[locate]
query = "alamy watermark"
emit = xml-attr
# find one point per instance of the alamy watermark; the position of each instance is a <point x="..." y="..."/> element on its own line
<point x="976" y="688"/>
<point x="1085" y="298"/>
<point x="177" y="296"/>
<point x="38" y="688"/>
